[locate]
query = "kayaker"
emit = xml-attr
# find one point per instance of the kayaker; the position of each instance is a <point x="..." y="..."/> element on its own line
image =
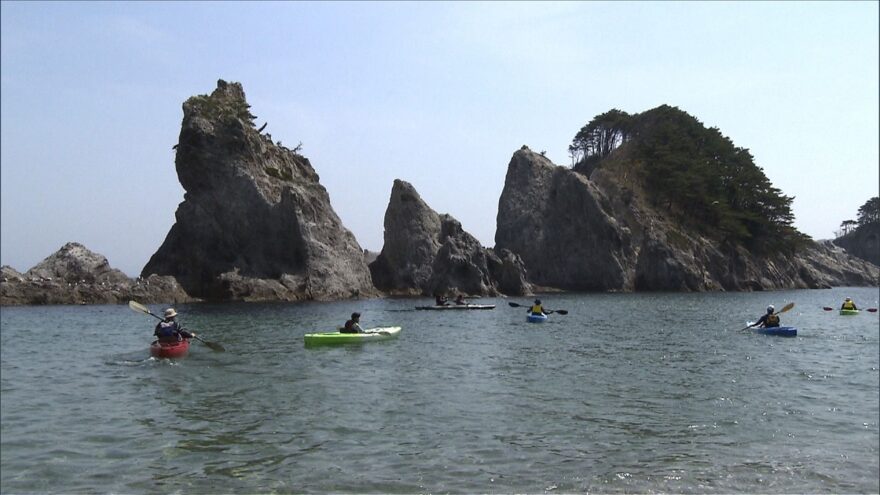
<point x="460" y="300"/>
<point x="440" y="300"/>
<point x="169" y="330"/>
<point x="848" y="304"/>
<point x="353" y="325"/>
<point x="536" y="308"/>
<point x="769" y="320"/>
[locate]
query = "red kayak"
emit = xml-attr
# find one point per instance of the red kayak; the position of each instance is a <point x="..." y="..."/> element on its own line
<point x="169" y="349"/>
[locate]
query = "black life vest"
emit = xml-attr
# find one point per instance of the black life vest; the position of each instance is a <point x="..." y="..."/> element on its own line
<point x="349" y="327"/>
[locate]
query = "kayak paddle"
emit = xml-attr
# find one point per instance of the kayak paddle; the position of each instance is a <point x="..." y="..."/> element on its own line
<point x="869" y="310"/>
<point x="783" y="310"/>
<point x="546" y="311"/>
<point x="140" y="308"/>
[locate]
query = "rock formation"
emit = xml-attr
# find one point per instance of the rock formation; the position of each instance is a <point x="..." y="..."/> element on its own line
<point x="561" y="225"/>
<point x="255" y="223"/>
<point x="864" y="242"/>
<point x="600" y="234"/>
<point x="76" y="275"/>
<point x="426" y="253"/>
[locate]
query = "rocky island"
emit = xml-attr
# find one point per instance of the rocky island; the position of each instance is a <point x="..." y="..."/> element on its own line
<point x="652" y="202"/>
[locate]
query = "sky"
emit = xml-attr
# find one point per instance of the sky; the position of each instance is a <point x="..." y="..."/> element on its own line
<point x="439" y="94"/>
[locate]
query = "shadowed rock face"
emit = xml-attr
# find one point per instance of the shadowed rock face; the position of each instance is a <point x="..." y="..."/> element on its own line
<point x="864" y="243"/>
<point x="255" y="223"/>
<point x="76" y="275"/>
<point x="426" y="253"/>
<point x="599" y="233"/>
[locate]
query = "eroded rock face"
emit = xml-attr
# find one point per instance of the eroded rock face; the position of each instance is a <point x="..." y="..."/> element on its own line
<point x="255" y="223"/>
<point x="562" y="226"/>
<point x="426" y="253"/>
<point x="599" y="233"/>
<point x="76" y="275"/>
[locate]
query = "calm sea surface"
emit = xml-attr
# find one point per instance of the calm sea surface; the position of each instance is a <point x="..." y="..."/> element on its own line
<point x="626" y="393"/>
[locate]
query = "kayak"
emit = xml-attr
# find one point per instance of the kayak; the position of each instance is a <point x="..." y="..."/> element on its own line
<point x="780" y="331"/>
<point x="459" y="306"/>
<point x="849" y="312"/>
<point x="536" y="318"/>
<point x="333" y="338"/>
<point x="170" y="349"/>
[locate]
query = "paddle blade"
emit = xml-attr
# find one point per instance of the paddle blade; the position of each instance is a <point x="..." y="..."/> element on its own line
<point x="214" y="346"/>
<point x="826" y="308"/>
<point x="786" y="308"/>
<point x="560" y="311"/>
<point x="136" y="306"/>
<point x="513" y="304"/>
<point x="872" y="310"/>
<point x="211" y="345"/>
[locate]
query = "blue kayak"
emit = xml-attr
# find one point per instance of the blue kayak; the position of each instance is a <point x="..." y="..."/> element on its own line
<point x="531" y="318"/>
<point x="780" y="331"/>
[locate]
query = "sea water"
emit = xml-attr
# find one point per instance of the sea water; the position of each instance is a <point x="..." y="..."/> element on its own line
<point x="656" y="392"/>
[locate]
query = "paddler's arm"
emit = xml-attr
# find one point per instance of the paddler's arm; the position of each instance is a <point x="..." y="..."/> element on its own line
<point x="186" y="333"/>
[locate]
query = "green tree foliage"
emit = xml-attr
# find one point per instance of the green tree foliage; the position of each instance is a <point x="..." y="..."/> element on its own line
<point x="696" y="174"/>
<point x="601" y="136"/>
<point x="848" y="226"/>
<point x="870" y="211"/>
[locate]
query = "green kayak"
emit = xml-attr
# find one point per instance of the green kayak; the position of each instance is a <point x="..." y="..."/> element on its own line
<point x="849" y="311"/>
<point x="333" y="338"/>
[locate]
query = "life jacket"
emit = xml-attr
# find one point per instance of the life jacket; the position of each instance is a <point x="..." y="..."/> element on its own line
<point x="537" y="309"/>
<point x="848" y="305"/>
<point x="772" y="320"/>
<point x="349" y="327"/>
<point x="168" y="331"/>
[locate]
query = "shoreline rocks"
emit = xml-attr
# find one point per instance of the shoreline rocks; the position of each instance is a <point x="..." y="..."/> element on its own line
<point x="76" y="275"/>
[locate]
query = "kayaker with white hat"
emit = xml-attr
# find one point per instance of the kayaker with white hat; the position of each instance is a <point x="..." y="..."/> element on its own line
<point x="170" y="330"/>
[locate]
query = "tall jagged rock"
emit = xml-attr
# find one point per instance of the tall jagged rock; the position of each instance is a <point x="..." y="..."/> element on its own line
<point x="600" y="233"/>
<point x="255" y="223"/>
<point x="426" y="253"/>
<point x="76" y="275"/>
<point x="562" y="227"/>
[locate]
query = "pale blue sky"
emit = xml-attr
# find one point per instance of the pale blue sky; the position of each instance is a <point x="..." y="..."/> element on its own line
<point x="437" y="94"/>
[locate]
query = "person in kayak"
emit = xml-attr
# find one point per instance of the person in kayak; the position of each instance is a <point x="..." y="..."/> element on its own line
<point x="440" y="300"/>
<point x="460" y="300"/>
<point x="353" y="325"/>
<point x="170" y="330"/>
<point x="537" y="308"/>
<point x="848" y="304"/>
<point x="769" y="320"/>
